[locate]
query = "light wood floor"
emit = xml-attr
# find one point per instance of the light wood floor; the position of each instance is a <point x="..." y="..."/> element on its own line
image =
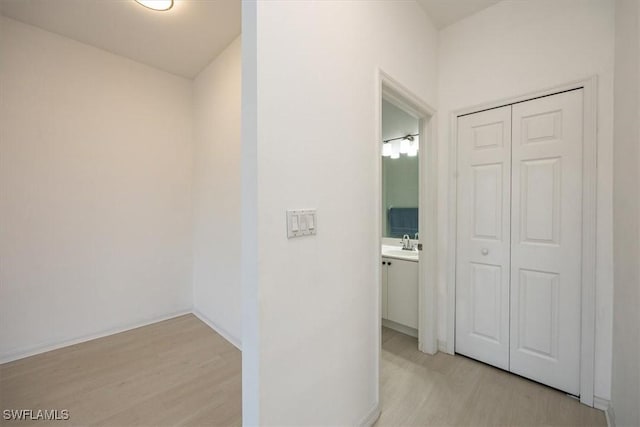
<point x="180" y="372"/>
<point x="176" y="372"/>
<point x="444" y="390"/>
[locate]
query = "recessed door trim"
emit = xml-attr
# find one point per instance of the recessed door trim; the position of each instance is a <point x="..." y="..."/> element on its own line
<point x="389" y="88"/>
<point x="392" y="90"/>
<point x="589" y="176"/>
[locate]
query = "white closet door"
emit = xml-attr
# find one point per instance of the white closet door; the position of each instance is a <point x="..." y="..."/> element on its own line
<point x="483" y="237"/>
<point x="546" y="240"/>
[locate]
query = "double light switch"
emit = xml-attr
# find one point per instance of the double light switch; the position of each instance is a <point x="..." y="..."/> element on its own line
<point x="301" y="222"/>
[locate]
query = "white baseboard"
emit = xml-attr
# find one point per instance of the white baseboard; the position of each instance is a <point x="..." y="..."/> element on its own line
<point x="371" y="417"/>
<point x="442" y="346"/>
<point x="21" y="354"/>
<point x="610" y="415"/>
<point x="221" y="331"/>
<point x="605" y="405"/>
<point x="400" y="328"/>
<point x="600" y="403"/>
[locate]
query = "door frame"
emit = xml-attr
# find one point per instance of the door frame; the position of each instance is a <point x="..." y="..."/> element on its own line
<point x="589" y="192"/>
<point x="393" y="91"/>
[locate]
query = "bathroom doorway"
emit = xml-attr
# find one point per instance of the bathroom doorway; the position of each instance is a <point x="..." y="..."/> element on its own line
<point x="400" y="212"/>
<point x="406" y="226"/>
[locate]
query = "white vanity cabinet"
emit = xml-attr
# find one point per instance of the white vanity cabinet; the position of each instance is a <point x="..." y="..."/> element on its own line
<point x="400" y="291"/>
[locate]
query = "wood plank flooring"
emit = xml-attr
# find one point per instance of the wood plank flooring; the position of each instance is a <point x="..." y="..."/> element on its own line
<point x="175" y="372"/>
<point x="180" y="372"/>
<point x="443" y="390"/>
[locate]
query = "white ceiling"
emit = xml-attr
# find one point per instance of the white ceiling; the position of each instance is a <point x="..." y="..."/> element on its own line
<point x="181" y="41"/>
<point x="446" y="12"/>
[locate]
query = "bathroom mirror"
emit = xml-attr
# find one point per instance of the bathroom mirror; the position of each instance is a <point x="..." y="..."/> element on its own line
<point x="400" y="173"/>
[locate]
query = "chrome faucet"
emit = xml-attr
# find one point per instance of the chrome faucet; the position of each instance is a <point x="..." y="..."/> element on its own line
<point x="406" y="243"/>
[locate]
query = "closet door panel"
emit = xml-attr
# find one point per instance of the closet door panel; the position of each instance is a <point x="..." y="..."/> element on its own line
<point x="546" y="240"/>
<point x="483" y="237"/>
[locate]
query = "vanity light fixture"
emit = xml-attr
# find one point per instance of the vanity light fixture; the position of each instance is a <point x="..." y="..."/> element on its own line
<point x="402" y="145"/>
<point x="159" y="5"/>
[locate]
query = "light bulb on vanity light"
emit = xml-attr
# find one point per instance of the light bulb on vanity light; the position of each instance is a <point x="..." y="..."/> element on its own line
<point x="404" y="146"/>
<point x="413" y="148"/>
<point x="395" y="149"/>
<point x="159" y="5"/>
<point x="386" y="149"/>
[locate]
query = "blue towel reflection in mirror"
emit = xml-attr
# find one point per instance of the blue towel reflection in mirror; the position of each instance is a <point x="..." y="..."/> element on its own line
<point x="402" y="221"/>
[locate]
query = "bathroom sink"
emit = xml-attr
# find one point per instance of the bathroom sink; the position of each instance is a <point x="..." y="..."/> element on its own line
<point x="399" y="253"/>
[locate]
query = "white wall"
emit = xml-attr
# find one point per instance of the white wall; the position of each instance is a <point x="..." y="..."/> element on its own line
<point x="396" y="122"/>
<point x="249" y="219"/>
<point x="216" y="193"/>
<point x="95" y="200"/>
<point x="625" y="392"/>
<point x="313" y="347"/>
<point x="521" y="46"/>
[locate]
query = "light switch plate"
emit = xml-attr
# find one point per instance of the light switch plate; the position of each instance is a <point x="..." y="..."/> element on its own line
<point x="301" y="222"/>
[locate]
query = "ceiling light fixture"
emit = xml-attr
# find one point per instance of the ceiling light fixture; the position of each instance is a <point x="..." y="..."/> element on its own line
<point x="160" y="5"/>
